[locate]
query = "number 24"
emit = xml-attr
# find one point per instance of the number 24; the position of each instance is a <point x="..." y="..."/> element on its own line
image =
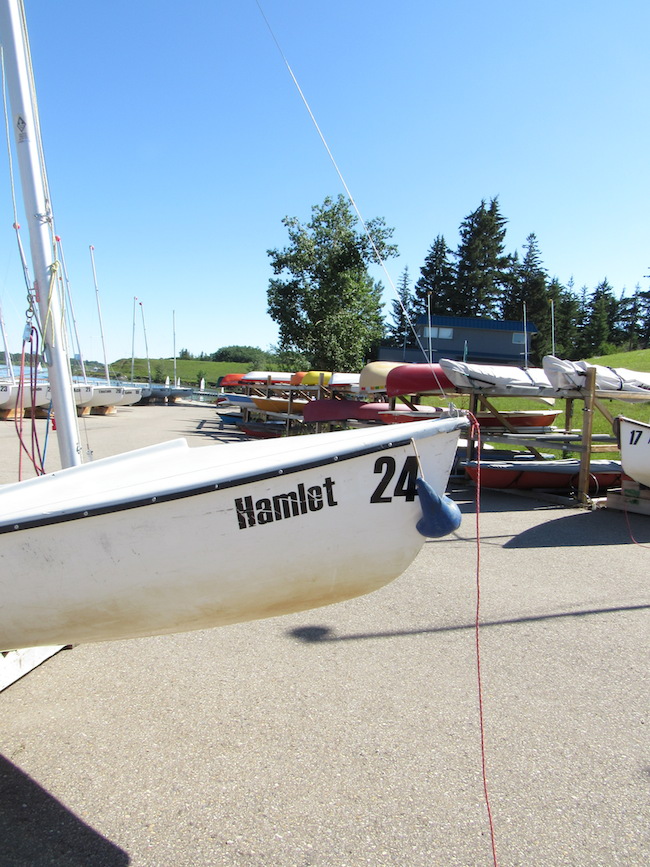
<point x="405" y="484"/>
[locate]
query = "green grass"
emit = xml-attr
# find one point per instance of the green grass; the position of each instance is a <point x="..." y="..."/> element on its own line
<point x="189" y="370"/>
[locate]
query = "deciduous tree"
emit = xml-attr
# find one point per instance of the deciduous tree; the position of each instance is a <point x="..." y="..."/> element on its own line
<point x="323" y="298"/>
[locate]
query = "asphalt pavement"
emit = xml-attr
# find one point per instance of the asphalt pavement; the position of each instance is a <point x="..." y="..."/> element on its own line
<point x="350" y="735"/>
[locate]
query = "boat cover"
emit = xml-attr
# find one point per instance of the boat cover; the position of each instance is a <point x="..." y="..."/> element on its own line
<point x="564" y="374"/>
<point x="487" y="376"/>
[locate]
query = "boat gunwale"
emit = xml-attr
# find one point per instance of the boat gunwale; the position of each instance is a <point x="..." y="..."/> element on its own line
<point x="84" y="512"/>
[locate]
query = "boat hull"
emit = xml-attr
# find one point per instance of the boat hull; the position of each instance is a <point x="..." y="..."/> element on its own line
<point x="634" y="442"/>
<point x="555" y="475"/>
<point x="417" y="379"/>
<point x="134" y="545"/>
<point x="517" y="419"/>
<point x="11" y="395"/>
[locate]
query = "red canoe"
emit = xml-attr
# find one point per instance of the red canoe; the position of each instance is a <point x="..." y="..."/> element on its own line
<point x="561" y="474"/>
<point x="342" y="410"/>
<point x="417" y="379"/>
<point x="526" y="418"/>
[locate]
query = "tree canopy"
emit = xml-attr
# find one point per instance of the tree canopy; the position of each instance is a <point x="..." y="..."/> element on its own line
<point x="325" y="302"/>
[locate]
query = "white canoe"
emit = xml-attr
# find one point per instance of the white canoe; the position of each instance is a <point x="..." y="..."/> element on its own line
<point x="634" y="442"/>
<point x="133" y="545"/>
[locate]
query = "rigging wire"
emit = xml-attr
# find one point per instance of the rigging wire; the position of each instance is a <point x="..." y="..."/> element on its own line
<point x="474" y="431"/>
<point x="348" y="192"/>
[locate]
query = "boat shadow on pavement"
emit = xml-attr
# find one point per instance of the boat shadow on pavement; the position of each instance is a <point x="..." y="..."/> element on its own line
<point x="36" y="829"/>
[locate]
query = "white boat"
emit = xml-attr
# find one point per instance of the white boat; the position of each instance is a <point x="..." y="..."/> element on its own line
<point x="133" y="545"/>
<point x="634" y="442"/>
<point x="89" y="395"/>
<point x="569" y="375"/>
<point x="130" y="394"/>
<point x="11" y="395"/>
<point x="491" y="376"/>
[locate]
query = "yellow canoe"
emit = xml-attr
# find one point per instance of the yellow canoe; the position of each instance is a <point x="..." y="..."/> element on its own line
<point x="280" y="404"/>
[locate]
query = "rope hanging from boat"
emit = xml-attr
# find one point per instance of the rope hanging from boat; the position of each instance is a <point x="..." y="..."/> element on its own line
<point x="34" y="452"/>
<point x="348" y="193"/>
<point x="435" y="506"/>
<point x="475" y="433"/>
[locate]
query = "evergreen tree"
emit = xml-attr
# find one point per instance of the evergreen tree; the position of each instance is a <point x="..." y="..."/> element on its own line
<point x="601" y="321"/>
<point x="644" y="319"/>
<point x="566" y="316"/>
<point x="529" y="287"/>
<point x="483" y="269"/>
<point x="325" y="302"/>
<point x="400" y="331"/>
<point x="437" y="283"/>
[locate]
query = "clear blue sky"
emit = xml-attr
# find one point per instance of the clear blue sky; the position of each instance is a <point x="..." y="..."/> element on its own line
<point x="176" y="143"/>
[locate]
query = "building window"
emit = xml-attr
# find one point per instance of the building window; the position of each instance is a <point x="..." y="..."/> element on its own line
<point x="440" y="333"/>
<point x="519" y="337"/>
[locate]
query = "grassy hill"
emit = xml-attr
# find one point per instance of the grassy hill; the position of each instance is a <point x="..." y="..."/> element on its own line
<point x="189" y="370"/>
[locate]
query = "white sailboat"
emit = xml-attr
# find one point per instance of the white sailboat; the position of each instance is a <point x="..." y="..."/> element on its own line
<point x="14" y="393"/>
<point x="133" y="545"/>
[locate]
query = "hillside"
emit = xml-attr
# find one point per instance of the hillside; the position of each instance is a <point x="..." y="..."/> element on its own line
<point x="189" y="371"/>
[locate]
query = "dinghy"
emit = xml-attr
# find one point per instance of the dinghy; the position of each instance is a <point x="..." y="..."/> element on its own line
<point x="634" y="443"/>
<point x="13" y="395"/>
<point x="133" y="545"/>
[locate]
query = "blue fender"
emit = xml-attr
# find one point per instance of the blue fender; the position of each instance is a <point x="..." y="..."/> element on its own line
<point x="440" y="515"/>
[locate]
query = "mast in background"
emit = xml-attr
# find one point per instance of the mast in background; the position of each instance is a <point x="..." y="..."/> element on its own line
<point x="99" y="313"/>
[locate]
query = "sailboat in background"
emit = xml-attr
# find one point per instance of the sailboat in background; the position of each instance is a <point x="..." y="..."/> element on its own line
<point x="14" y="393"/>
<point x="133" y="545"/>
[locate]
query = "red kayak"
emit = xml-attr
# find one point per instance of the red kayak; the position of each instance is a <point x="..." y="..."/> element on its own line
<point x="342" y="410"/>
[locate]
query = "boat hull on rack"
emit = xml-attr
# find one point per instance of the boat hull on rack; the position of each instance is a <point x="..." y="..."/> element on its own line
<point x="134" y="543"/>
<point x="556" y="475"/>
<point x="634" y="442"/>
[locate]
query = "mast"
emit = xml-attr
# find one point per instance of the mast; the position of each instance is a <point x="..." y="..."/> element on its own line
<point x="146" y="345"/>
<point x="73" y="319"/>
<point x="10" y="367"/>
<point x="133" y="342"/>
<point x="13" y="34"/>
<point x="99" y="313"/>
<point x="525" y="339"/>
<point x="174" y="342"/>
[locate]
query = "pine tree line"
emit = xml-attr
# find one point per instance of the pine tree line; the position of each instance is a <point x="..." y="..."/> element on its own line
<point x="480" y="279"/>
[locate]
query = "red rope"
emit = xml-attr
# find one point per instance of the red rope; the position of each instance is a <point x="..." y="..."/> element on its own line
<point x="475" y="433"/>
<point x="629" y="526"/>
<point x="34" y="453"/>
